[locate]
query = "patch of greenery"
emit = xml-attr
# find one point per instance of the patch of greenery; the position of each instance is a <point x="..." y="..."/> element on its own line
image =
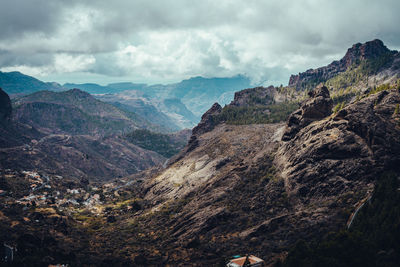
<point x="372" y="240"/>
<point x="338" y="107"/>
<point x="379" y="88"/>
<point x="256" y="114"/>
<point x="160" y="143"/>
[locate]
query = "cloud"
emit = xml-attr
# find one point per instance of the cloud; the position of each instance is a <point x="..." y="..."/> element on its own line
<point x="157" y="41"/>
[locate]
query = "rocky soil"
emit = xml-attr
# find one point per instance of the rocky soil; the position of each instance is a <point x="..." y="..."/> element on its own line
<point x="242" y="188"/>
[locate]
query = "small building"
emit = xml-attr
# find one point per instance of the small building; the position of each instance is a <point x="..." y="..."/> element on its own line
<point x="246" y="261"/>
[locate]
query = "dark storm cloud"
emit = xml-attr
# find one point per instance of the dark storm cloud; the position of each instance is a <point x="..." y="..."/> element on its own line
<point x="18" y="17"/>
<point x="159" y="40"/>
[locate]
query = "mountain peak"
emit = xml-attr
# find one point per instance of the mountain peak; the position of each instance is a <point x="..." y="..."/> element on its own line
<point x="78" y="92"/>
<point x="374" y="53"/>
<point x="368" y="50"/>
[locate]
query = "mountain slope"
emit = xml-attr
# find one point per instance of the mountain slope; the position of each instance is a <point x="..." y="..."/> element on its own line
<point x="18" y="83"/>
<point x="75" y="112"/>
<point x="241" y="187"/>
<point x="23" y="147"/>
<point x="96" y="159"/>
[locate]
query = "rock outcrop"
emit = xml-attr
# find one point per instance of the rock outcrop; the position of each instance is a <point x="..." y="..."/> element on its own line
<point x="317" y="107"/>
<point x="207" y="122"/>
<point x="349" y="148"/>
<point x="5" y="106"/>
<point x="255" y="96"/>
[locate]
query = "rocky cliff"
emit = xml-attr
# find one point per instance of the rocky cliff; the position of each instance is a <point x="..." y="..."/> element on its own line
<point x="5" y="106"/>
<point x="375" y="53"/>
<point x="317" y="107"/>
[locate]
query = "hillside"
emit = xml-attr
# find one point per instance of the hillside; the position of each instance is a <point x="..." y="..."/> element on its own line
<point x="75" y="112"/>
<point x="30" y="144"/>
<point x="165" y="145"/>
<point x="80" y="157"/>
<point x="224" y="196"/>
<point x="18" y="83"/>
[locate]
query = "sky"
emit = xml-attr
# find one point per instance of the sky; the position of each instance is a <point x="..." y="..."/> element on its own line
<point x="167" y="41"/>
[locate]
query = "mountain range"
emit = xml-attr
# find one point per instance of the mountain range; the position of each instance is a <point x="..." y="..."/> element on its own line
<point x="300" y="175"/>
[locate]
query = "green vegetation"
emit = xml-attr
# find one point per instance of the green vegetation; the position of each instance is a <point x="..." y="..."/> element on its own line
<point x="256" y="114"/>
<point x="380" y="88"/>
<point x="396" y="110"/>
<point x="372" y="66"/>
<point x="160" y="143"/>
<point x="338" y="107"/>
<point x="373" y="239"/>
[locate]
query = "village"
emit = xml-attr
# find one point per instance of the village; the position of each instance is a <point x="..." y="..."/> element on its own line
<point x="30" y="197"/>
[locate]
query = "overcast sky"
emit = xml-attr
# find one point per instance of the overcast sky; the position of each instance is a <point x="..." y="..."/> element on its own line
<point x="166" y="41"/>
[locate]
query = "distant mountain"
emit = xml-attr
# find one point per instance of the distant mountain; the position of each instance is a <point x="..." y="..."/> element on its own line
<point x="134" y="101"/>
<point x="94" y="88"/>
<point x="199" y="93"/>
<point x="75" y="112"/>
<point x="123" y="86"/>
<point x="183" y="102"/>
<point x="17" y="83"/>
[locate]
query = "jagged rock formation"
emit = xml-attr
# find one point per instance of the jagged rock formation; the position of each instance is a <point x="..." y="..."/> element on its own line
<point x="316" y="108"/>
<point x="207" y="123"/>
<point x="355" y="55"/>
<point x="5" y="106"/>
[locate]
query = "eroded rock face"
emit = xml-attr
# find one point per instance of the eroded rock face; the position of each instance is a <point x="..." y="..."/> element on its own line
<point x="317" y="107"/>
<point x="263" y="96"/>
<point x="350" y="148"/>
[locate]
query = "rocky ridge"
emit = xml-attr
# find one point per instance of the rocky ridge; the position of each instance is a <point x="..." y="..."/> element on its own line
<point x="358" y="53"/>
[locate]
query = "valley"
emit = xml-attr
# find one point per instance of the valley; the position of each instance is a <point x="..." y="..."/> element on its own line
<point x="277" y="172"/>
